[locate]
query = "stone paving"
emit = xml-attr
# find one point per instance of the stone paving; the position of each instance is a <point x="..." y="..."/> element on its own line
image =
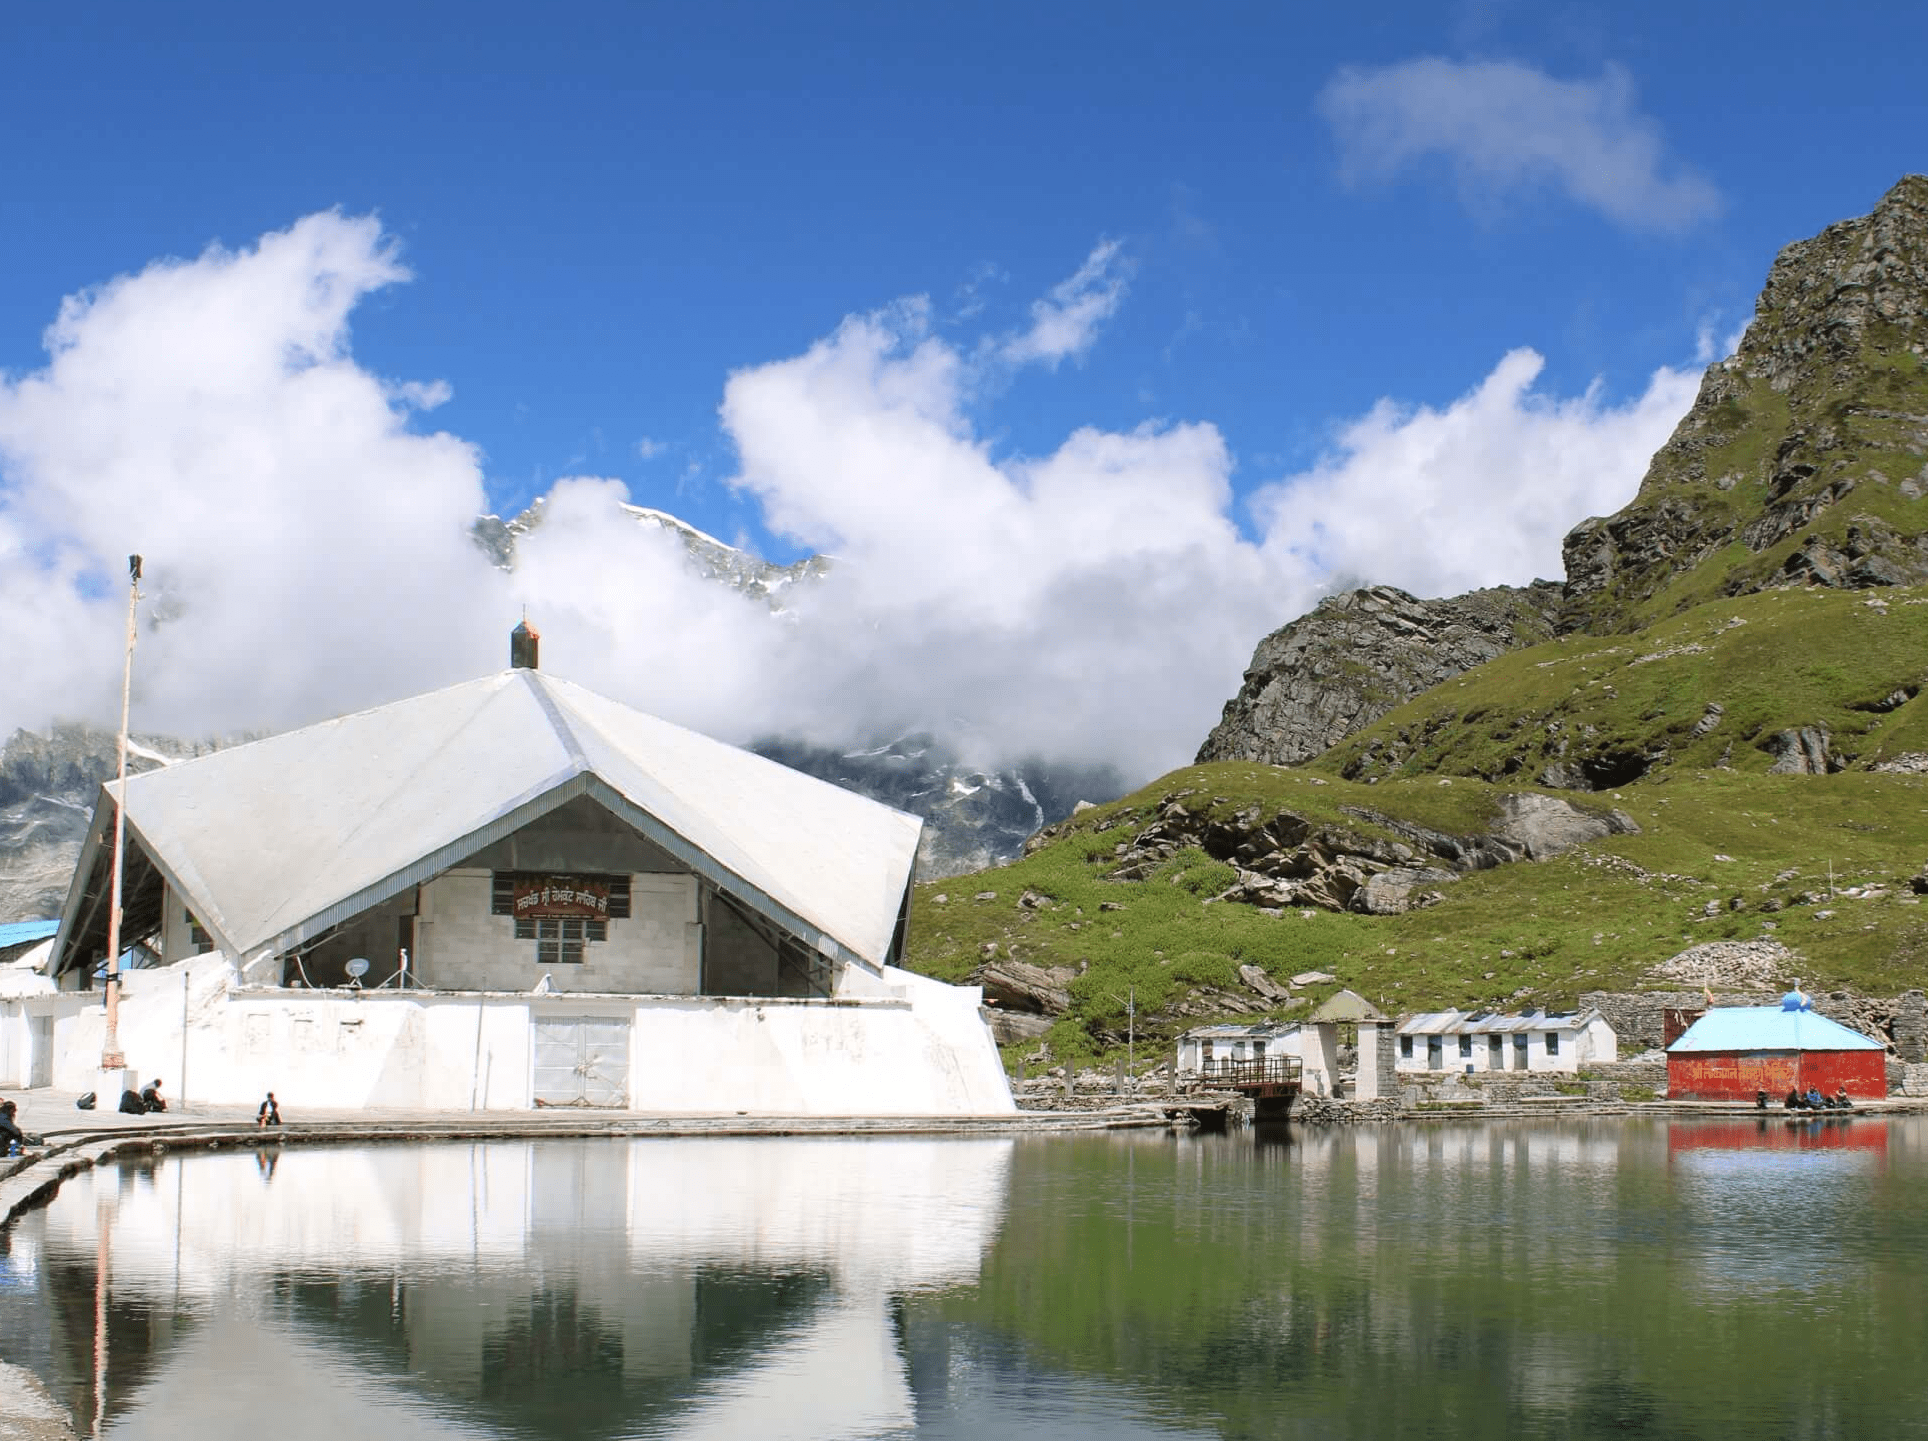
<point x="28" y="1412"/>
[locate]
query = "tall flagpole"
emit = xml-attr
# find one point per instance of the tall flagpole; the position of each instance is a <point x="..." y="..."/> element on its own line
<point x="111" y="1058"/>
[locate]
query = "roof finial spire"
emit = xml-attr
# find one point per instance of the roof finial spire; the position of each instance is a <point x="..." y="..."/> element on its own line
<point x="523" y="644"/>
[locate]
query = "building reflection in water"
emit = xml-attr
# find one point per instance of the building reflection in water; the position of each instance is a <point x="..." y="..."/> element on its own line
<point x="713" y="1287"/>
<point x="1344" y="1282"/>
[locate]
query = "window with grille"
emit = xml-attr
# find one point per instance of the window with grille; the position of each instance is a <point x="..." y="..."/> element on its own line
<point x="560" y="942"/>
<point x="530" y="929"/>
<point x="1552" y="1043"/>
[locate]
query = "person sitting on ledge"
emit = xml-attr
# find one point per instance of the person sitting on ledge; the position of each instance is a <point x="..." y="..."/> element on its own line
<point x="1841" y="1100"/>
<point x="269" y="1114"/>
<point x="1794" y="1101"/>
<point x="1760" y="1100"/>
<point x="151" y="1098"/>
<point x="1816" y="1101"/>
<point x="131" y="1103"/>
<point x="11" y="1136"/>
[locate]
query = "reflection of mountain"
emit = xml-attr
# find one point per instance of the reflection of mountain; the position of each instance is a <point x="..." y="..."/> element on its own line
<point x="1572" y="1277"/>
<point x="554" y="1288"/>
<point x="1496" y="1279"/>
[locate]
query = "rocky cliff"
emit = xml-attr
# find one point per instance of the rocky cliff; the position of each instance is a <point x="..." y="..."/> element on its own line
<point x="1355" y="656"/>
<point x="727" y="565"/>
<point x="48" y="783"/>
<point x="1802" y="463"/>
<point x="973" y="817"/>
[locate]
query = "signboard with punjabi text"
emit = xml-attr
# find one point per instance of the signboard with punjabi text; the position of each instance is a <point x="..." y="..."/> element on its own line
<point x="546" y="897"/>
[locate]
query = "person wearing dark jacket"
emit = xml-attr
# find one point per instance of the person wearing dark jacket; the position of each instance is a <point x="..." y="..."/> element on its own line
<point x="151" y="1097"/>
<point x="131" y="1104"/>
<point x="10" y="1133"/>
<point x="269" y="1114"/>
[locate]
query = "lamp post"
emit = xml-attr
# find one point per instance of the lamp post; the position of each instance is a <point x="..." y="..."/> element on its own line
<point x="111" y="1058"/>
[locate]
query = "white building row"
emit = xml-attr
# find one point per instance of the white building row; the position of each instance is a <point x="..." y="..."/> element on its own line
<point x="1443" y="1041"/>
<point x="1483" y="1041"/>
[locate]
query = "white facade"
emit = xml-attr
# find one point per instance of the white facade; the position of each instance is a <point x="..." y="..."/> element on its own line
<point x="910" y="1046"/>
<point x="656" y="950"/>
<point x="1480" y="1043"/>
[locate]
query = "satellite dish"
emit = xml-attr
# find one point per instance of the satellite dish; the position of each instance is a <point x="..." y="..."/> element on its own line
<point x="357" y="968"/>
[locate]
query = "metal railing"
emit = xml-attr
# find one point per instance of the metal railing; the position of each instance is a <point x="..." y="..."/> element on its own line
<point x="1258" y="1071"/>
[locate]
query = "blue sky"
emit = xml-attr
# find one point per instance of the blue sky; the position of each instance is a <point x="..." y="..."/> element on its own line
<point x="608" y="207"/>
<point x="1295" y="213"/>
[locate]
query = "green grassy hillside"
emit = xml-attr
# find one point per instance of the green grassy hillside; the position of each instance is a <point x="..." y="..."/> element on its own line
<point x="1626" y="705"/>
<point x="1758" y="846"/>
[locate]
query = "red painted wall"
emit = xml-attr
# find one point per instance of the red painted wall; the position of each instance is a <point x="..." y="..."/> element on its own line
<point x="1805" y="1132"/>
<point x="1734" y="1076"/>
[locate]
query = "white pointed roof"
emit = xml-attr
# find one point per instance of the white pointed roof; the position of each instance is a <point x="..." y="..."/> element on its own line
<point x="273" y="842"/>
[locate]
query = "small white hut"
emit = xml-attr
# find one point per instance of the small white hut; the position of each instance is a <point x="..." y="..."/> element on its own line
<point x="1204" y="1049"/>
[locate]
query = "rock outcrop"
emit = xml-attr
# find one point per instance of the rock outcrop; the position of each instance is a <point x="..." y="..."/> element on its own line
<point x="1806" y="447"/>
<point x="1386" y="867"/>
<point x="974" y="817"/>
<point x="1355" y="656"/>
<point x="1802" y="462"/>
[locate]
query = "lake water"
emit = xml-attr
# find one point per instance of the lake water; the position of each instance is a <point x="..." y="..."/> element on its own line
<point x="1624" y="1278"/>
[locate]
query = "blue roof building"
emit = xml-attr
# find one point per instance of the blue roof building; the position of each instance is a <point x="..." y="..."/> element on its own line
<point x="1767" y="1028"/>
<point x="1732" y="1053"/>
<point x="18" y="937"/>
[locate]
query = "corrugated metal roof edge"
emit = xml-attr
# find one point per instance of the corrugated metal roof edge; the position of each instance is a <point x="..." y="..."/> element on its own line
<point x="555" y="790"/>
<point x="559" y="789"/>
<point x="1452" y="1023"/>
<point x="76" y="888"/>
<point x="706" y="865"/>
<point x="184" y="883"/>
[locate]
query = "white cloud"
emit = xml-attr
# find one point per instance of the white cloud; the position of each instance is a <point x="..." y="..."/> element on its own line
<point x="1095" y="602"/>
<point x="1480" y="492"/>
<point x="647" y="449"/>
<point x="1504" y="126"/>
<point x="1710" y="345"/>
<point x="1065" y="323"/>
<point x="208" y="414"/>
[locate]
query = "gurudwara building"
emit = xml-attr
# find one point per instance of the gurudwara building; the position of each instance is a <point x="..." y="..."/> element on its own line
<point x="513" y="892"/>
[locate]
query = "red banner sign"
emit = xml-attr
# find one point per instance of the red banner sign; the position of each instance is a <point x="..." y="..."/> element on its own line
<point x="550" y="896"/>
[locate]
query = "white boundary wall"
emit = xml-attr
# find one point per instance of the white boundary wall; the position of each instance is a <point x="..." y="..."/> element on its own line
<point x="896" y="1045"/>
